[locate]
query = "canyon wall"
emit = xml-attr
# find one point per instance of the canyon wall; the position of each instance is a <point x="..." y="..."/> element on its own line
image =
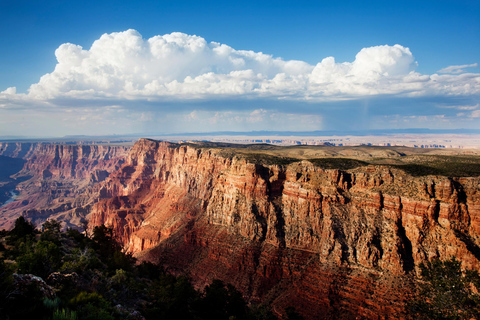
<point x="334" y="244"/>
<point x="21" y="150"/>
<point x="65" y="161"/>
<point x="56" y="180"/>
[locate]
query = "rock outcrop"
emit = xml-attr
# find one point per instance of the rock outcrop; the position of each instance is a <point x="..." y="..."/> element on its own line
<point x="65" y="161"/>
<point x="57" y="180"/>
<point x="340" y="244"/>
<point x="21" y="150"/>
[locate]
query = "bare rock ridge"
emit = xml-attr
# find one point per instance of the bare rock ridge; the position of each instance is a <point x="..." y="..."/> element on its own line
<point x="66" y="161"/>
<point x="335" y="243"/>
<point x="57" y="180"/>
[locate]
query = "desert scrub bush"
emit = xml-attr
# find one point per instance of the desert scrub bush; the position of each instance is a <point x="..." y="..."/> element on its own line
<point x="22" y="231"/>
<point x="80" y="260"/>
<point x="51" y="303"/>
<point x="222" y="301"/>
<point x="64" y="314"/>
<point x="449" y="166"/>
<point x="44" y="258"/>
<point x="110" y="250"/>
<point x="91" y="306"/>
<point x="446" y="292"/>
<point x="51" y="231"/>
<point x="266" y="159"/>
<point x="338" y="163"/>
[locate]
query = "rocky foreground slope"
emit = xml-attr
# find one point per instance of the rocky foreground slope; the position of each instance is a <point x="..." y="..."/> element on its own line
<point x="332" y="243"/>
<point x="55" y="180"/>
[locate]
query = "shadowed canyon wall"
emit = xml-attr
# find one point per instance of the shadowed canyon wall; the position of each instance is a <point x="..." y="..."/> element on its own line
<point x="334" y="244"/>
<point x="56" y="181"/>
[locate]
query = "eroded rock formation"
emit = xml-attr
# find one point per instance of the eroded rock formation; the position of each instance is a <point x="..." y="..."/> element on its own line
<point x="332" y="243"/>
<point x="57" y="181"/>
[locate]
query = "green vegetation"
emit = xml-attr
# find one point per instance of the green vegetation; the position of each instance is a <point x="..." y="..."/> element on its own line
<point x="267" y="160"/>
<point x="419" y="165"/>
<point x="91" y="278"/>
<point x="445" y="292"/>
<point x="449" y="166"/>
<point x="414" y="161"/>
<point x="418" y="170"/>
<point x="338" y="163"/>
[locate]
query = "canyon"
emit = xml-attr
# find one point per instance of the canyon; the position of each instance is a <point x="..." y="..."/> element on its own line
<point x="51" y="180"/>
<point x="335" y="243"/>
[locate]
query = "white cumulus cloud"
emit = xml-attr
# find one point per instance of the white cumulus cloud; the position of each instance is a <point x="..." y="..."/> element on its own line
<point x="124" y="65"/>
<point x="9" y="91"/>
<point x="457" y="69"/>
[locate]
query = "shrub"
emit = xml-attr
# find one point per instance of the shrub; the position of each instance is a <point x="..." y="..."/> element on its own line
<point x="172" y="298"/>
<point x="222" y="301"/>
<point x="78" y="237"/>
<point x="23" y="229"/>
<point x="43" y="260"/>
<point x="51" y="231"/>
<point x="64" y="314"/>
<point x="5" y="284"/>
<point x="445" y="292"/>
<point x="110" y="250"/>
<point x="91" y="306"/>
<point x="80" y="260"/>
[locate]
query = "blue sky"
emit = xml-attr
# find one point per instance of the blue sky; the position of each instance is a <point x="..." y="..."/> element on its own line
<point x="430" y="80"/>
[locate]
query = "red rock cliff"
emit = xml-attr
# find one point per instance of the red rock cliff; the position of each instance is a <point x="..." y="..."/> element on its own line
<point x="329" y="242"/>
<point x="17" y="149"/>
<point x="57" y="181"/>
<point x="65" y="161"/>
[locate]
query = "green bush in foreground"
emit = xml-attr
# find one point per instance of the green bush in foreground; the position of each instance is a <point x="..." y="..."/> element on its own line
<point x="93" y="279"/>
<point x="445" y="292"/>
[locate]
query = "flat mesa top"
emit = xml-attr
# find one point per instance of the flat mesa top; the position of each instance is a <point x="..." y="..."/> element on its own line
<point x="415" y="161"/>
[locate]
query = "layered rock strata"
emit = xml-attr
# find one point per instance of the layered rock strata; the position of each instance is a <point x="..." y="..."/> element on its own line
<point x="57" y="181"/>
<point x="332" y="243"/>
<point x="65" y="161"/>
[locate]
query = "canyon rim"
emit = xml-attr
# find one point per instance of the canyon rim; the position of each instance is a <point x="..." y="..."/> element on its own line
<point x="341" y="243"/>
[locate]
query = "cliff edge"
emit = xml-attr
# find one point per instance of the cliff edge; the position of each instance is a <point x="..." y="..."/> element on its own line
<point x="335" y="243"/>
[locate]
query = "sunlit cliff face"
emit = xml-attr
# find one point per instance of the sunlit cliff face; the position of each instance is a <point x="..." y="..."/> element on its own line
<point x="259" y="226"/>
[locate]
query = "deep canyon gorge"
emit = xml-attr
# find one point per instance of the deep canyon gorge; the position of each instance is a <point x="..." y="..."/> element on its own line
<point x="332" y="242"/>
